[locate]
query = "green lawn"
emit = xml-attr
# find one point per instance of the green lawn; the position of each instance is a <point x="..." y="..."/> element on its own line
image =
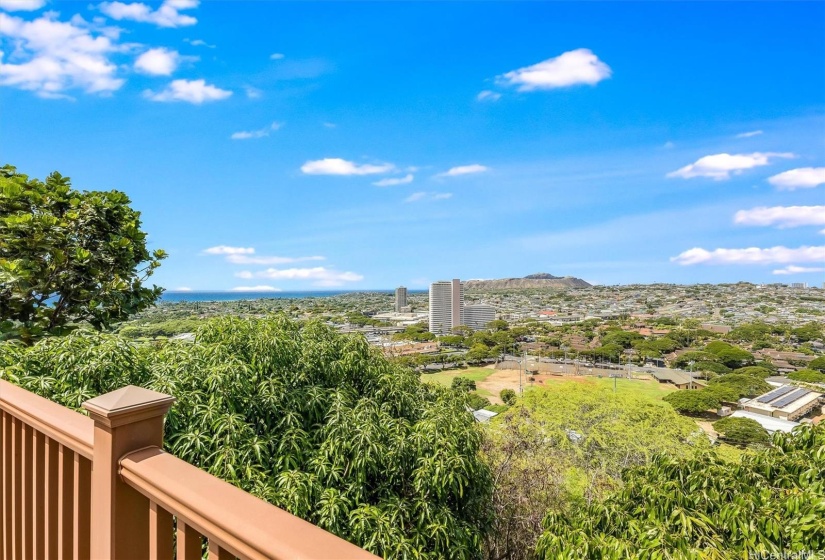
<point x="446" y="377"/>
<point x="649" y="388"/>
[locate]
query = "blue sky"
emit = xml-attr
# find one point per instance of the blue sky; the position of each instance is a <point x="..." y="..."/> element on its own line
<point x="365" y="145"/>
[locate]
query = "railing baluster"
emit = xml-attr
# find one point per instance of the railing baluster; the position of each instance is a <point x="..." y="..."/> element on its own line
<point x="26" y="473"/>
<point x="218" y="553"/>
<point x="39" y="495"/>
<point x="189" y="542"/>
<point x="5" y="472"/>
<point x="17" y="490"/>
<point x="65" y="508"/>
<point x="160" y="533"/>
<point x="51" y="515"/>
<point x="4" y="487"/>
<point x="82" y="503"/>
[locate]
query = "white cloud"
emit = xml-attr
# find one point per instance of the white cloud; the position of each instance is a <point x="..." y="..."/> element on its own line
<point x="255" y="289"/>
<point x="751" y="255"/>
<point x="253" y="92"/>
<point x="167" y="15"/>
<point x="464" y="170"/>
<point x="319" y="275"/>
<point x="245" y="259"/>
<point x="419" y="196"/>
<point x="227" y="250"/>
<point x="276" y="56"/>
<point x="183" y="289"/>
<point x="749" y="134"/>
<point x="669" y="145"/>
<point x="190" y="91"/>
<point x="330" y="125"/>
<point x="802" y="178"/>
<point x="53" y="56"/>
<point x="338" y="166"/>
<point x="793" y="269"/>
<point x="390" y="181"/>
<point x="158" y="62"/>
<point x="575" y="67"/>
<point x="722" y="166"/>
<point x="199" y="43"/>
<point x="782" y="216"/>
<point x="21" y="5"/>
<point x="246" y="135"/>
<point x="488" y="95"/>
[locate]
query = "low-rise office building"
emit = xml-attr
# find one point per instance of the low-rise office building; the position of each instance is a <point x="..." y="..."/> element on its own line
<point x="788" y="402"/>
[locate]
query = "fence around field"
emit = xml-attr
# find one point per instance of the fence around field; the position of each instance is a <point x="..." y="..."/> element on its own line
<point x="101" y="487"/>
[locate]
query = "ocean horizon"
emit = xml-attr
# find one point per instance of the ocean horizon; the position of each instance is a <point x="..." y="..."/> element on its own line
<point x="173" y="296"/>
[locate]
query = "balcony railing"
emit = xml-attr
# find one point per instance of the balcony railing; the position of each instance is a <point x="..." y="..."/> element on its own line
<point x="101" y="487"/>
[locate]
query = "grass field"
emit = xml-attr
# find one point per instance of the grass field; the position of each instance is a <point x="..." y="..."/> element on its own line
<point x="490" y="382"/>
<point x="647" y="387"/>
<point x="446" y="377"/>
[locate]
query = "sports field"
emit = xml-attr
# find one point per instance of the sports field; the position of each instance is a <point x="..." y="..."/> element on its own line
<point x="491" y="381"/>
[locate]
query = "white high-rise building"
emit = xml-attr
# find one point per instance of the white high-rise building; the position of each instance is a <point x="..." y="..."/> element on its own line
<point x="400" y="298"/>
<point x="477" y="316"/>
<point x="446" y="306"/>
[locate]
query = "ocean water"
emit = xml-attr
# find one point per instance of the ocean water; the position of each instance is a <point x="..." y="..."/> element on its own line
<point x="172" y="296"/>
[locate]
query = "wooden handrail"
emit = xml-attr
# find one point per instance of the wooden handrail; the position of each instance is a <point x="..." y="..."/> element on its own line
<point x="236" y="521"/>
<point x="65" y="426"/>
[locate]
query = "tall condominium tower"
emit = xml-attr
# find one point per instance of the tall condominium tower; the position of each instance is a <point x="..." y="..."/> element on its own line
<point x="477" y="316"/>
<point x="446" y="306"/>
<point x="400" y="298"/>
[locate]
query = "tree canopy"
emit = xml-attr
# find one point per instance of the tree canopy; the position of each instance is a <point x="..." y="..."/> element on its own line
<point x="311" y="420"/>
<point x="742" y="431"/>
<point x="558" y="449"/>
<point x="771" y="502"/>
<point x="68" y="257"/>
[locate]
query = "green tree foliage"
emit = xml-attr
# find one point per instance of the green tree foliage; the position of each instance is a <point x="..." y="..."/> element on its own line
<point x="743" y="385"/>
<point x="754" y="371"/>
<point x="478" y="353"/>
<point x="625" y="339"/>
<point x="742" y="431"/>
<point x="557" y="450"/>
<point x="818" y="364"/>
<point x="161" y="328"/>
<point x="498" y="325"/>
<point x="806" y="333"/>
<point x="610" y="352"/>
<point x="808" y="376"/>
<point x="507" y="396"/>
<point x="476" y="401"/>
<point x="771" y="502"/>
<point x="693" y="402"/>
<point x="453" y="340"/>
<point x="710" y="367"/>
<point x="308" y="419"/>
<point x="416" y="333"/>
<point x="729" y="355"/>
<point x="464" y="384"/>
<point x="68" y="257"/>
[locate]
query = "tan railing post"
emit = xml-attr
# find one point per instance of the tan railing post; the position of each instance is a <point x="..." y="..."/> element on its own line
<point x="125" y="420"/>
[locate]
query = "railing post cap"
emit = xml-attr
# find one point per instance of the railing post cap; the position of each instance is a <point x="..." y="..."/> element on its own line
<point x="128" y="404"/>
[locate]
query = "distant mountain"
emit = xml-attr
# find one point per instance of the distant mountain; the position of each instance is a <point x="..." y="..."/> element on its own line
<point x="532" y="281"/>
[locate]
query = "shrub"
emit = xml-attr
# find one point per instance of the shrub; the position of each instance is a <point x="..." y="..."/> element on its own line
<point x="742" y="431"/>
<point x="508" y="396"/>
<point x="807" y="376"/>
